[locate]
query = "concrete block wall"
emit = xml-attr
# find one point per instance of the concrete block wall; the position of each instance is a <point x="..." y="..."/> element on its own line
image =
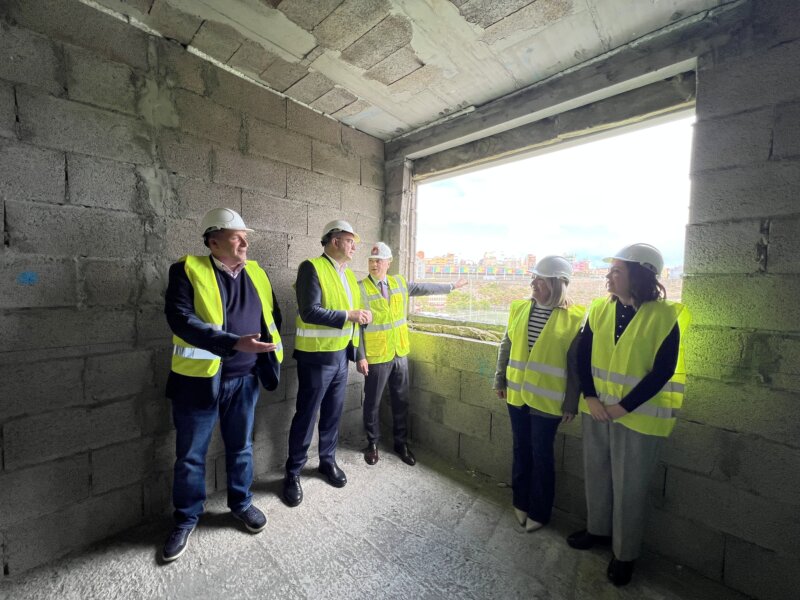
<point x="113" y="143"/>
<point x="725" y="500"/>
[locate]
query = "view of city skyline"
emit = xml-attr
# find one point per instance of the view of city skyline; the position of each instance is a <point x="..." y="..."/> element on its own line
<point x="585" y="201"/>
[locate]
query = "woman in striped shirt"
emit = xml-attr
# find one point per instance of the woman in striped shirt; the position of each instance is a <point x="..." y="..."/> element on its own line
<point x="537" y="376"/>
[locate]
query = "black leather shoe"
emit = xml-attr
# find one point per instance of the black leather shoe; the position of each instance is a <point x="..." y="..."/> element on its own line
<point x="292" y="490"/>
<point x="583" y="540"/>
<point x="371" y="453"/>
<point x="405" y="454"/>
<point x="620" y="571"/>
<point x="335" y="475"/>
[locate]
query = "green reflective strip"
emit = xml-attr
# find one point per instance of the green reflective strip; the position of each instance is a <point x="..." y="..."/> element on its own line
<point x="193" y="353"/>
<point x="540" y="391"/>
<point x="539" y="367"/>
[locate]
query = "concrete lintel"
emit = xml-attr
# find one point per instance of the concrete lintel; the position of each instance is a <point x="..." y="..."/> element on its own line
<point x="658" y="56"/>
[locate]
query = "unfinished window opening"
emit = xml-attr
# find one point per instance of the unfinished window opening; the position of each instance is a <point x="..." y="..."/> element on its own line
<point x="583" y="200"/>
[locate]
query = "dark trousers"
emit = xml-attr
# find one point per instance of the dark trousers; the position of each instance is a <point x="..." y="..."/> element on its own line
<point x="321" y="390"/>
<point x="533" y="476"/>
<point x="395" y="372"/>
<point x="235" y="409"/>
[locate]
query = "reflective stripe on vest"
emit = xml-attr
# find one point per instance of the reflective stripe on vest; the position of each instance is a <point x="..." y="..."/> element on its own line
<point x="195" y="362"/>
<point x="538" y="377"/>
<point x="321" y="338"/>
<point x="387" y="335"/>
<point x="618" y="368"/>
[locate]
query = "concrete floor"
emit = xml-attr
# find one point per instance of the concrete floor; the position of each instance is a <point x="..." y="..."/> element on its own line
<point x="429" y="531"/>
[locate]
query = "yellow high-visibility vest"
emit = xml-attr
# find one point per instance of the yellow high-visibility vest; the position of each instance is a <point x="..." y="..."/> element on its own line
<point x="387" y="335"/>
<point x="321" y="338"/>
<point x="196" y="362"/>
<point x="618" y="368"/>
<point x="538" y="377"/>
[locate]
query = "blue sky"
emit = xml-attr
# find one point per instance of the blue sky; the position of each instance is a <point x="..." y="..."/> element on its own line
<point x="589" y="199"/>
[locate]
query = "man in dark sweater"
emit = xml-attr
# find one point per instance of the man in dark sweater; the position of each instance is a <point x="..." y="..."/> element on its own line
<point x="225" y="322"/>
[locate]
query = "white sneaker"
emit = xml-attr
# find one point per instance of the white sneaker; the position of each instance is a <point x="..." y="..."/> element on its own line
<point x="521" y="515"/>
<point x="531" y="525"/>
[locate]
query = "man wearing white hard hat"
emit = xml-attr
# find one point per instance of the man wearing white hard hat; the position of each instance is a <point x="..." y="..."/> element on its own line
<point x="327" y="335"/>
<point x="225" y="322"/>
<point x="382" y="354"/>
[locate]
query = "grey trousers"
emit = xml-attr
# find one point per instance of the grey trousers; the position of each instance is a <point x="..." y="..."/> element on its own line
<point x="395" y="372"/>
<point x="618" y="464"/>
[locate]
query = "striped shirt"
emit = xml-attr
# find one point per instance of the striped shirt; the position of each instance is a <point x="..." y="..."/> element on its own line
<point x="536" y="323"/>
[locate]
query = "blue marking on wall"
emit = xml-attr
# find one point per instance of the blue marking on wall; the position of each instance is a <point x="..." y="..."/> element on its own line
<point x="28" y="278"/>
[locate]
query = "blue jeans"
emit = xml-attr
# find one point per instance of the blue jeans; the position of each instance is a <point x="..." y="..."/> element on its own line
<point x="321" y="389"/>
<point x="533" y="476"/>
<point x="194" y="424"/>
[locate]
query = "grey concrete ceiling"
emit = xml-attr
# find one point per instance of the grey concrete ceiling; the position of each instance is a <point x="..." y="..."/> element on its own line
<point x="388" y="67"/>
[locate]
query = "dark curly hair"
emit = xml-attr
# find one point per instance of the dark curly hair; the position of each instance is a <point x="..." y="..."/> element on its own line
<point x="644" y="285"/>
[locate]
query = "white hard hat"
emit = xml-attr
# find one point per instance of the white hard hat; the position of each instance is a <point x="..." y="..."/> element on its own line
<point x="380" y="250"/>
<point x="222" y="218"/>
<point x="553" y="266"/>
<point x="339" y="225"/>
<point x="646" y="255"/>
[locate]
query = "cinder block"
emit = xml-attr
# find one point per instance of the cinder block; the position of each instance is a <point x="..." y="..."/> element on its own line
<point x="173" y="23"/>
<point x="102" y="183"/>
<point x="485" y="457"/>
<point x="193" y="198"/>
<point x="786" y="132"/>
<point x="784" y="246"/>
<point x="206" y="119"/>
<point x="8" y="112"/>
<point x="268" y="213"/>
<point x="60" y="433"/>
<point x="473" y="421"/>
<point x="749" y="83"/>
<point x="217" y="40"/>
<point x="362" y="144"/>
<point x="320" y="216"/>
<point x="36" y="330"/>
<point x="331" y="160"/>
<point x="308" y="13"/>
<point x="180" y="68"/>
<point x="787" y="376"/>
<point x="434" y="437"/>
<point x="369" y="228"/>
<point x="314" y="188"/>
<point x="312" y="86"/>
<point x="724" y="247"/>
<point x="234" y="92"/>
<point x="433" y="377"/>
<point x="694" y="447"/>
<point x="313" y="124"/>
<point x="570" y="495"/>
<point x="741" y="407"/>
<point x="66" y="125"/>
<point x="739" y="301"/>
<point x="36" y="281"/>
<point x="732" y="141"/>
<point x="34" y="387"/>
<point x="269" y="249"/>
<point x="333" y="101"/>
<point x="84" y="26"/>
<point x="302" y="248"/>
<point x="118" y="375"/>
<point x="30" y="493"/>
<point x="476" y="390"/>
<point x="158" y="495"/>
<point x="153" y="280"/>
<point x="100" y="82"/>
<point x="395" y="66"/>
<point x="372" y="173"/>
<point x="260" y="174"/>
<point x="278" y="143"/>
<point x="251" y="59"/>
<point x="164" y="451"/>
<point x="37" y="541"/>
<point x="269" y="459"/>
<point x="349" y="22"/>
<point x="753" y="192"/>
<point x="362" y="200"/>
<point x="687" y="543"/>
<point x="185" y="155"/>
<point x="500" y="431"/>
<point x="121" y="465"/>
<point x="182" y="237"/>
<point x="572" y="456"/>
<point x="714" y="352"/>
<point x="63" y="230"/>
<point x="30" y="59"/>
<point x="765" y="468"/>
<point x="31" y="173"/>
<point x="281" y="74"/>
<point x="474" y="356"/>
<point x="151" y="327"/>
<point x="759" y="572"/>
